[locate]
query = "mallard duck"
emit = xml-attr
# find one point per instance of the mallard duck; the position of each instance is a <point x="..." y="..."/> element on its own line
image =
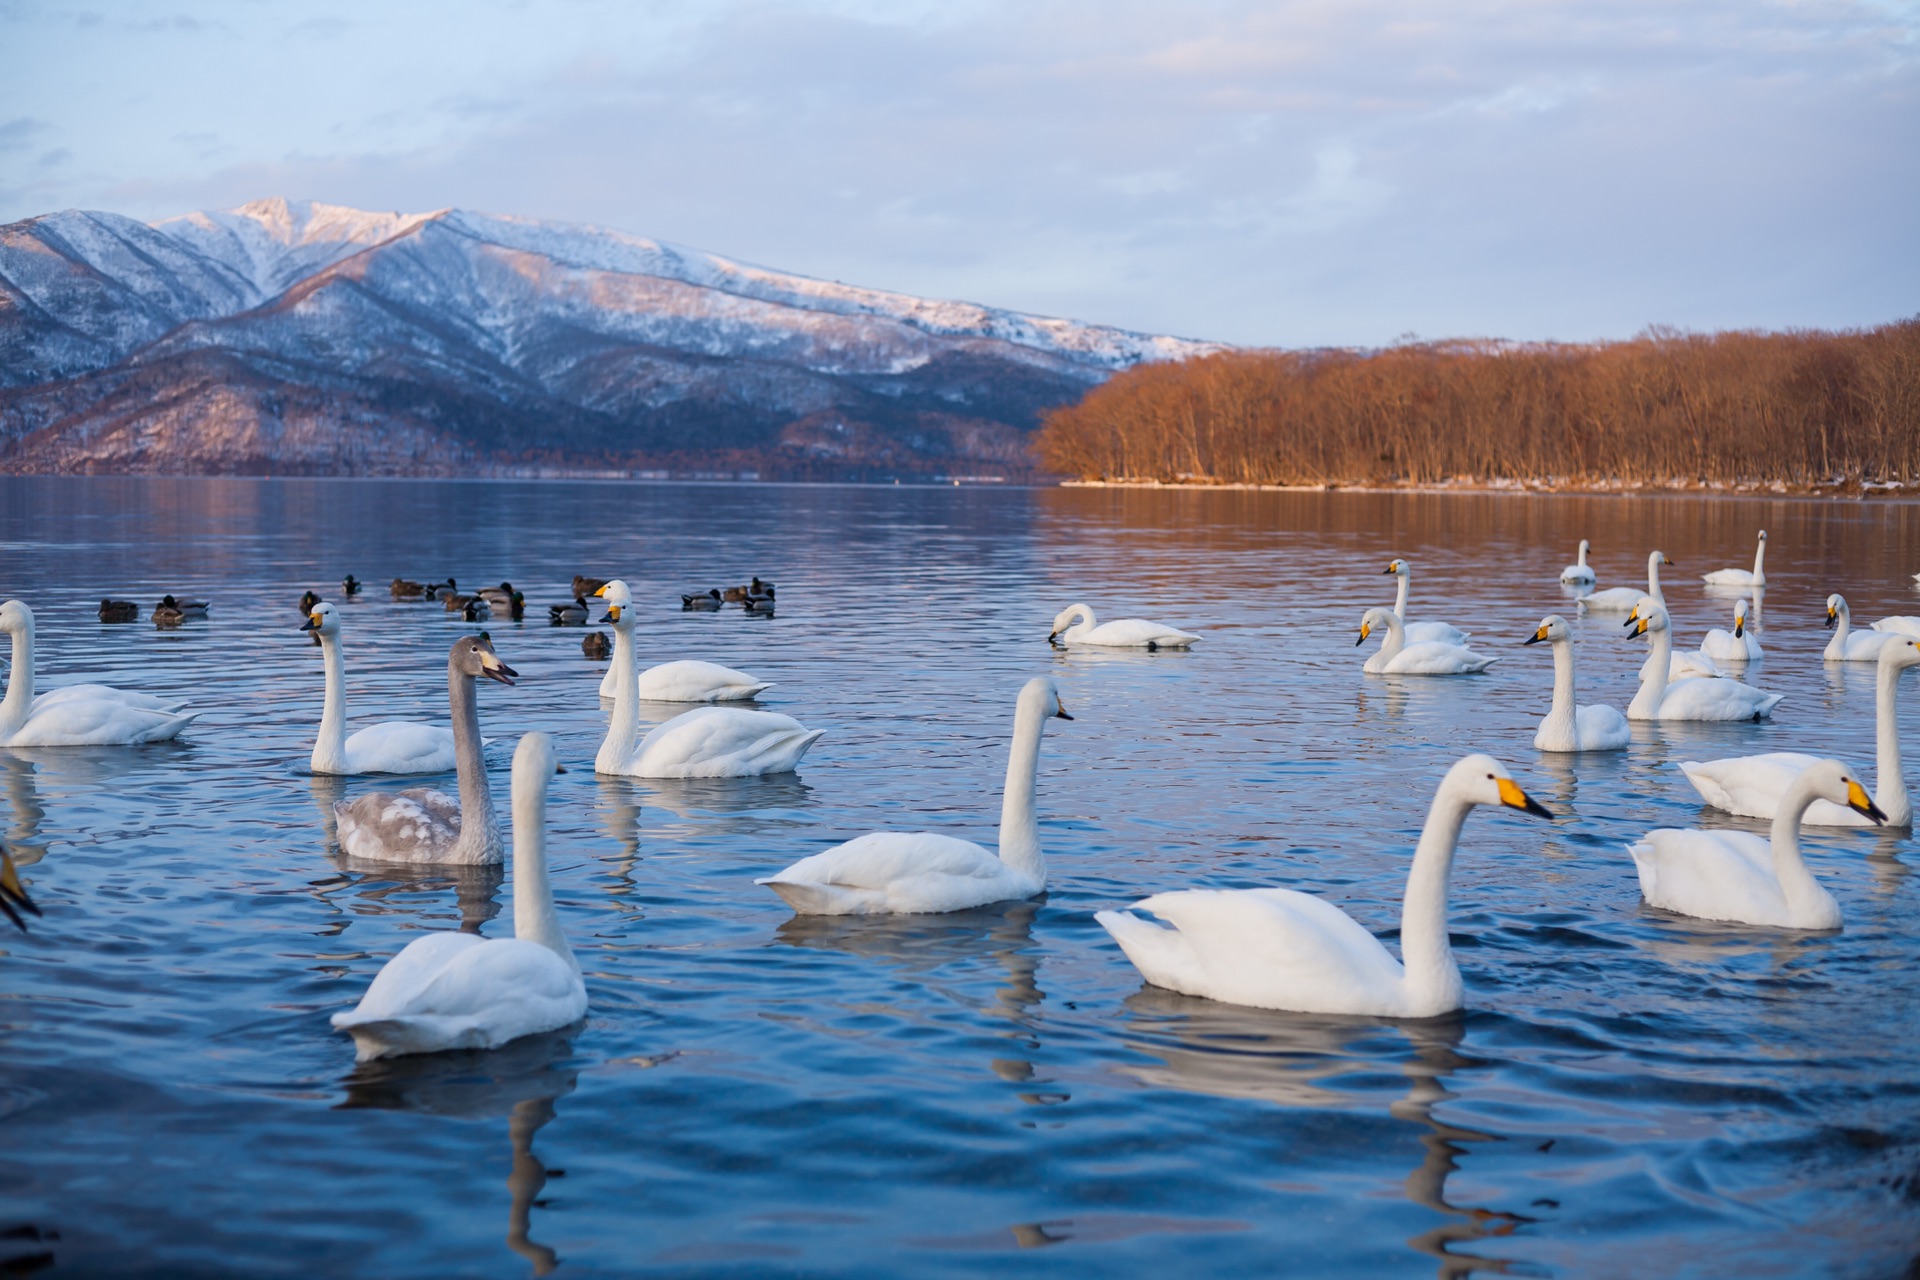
<point x="13" y="894"/>
<point x="441" y="590"/>
<point x="189" y="608"/>
<point x="350" y="585"/>
<point x="406" y="589"/>
<point x="568" y="615"/>
<point x="584" y="586"/>
<point x="168" y="614"/>
<point x="499" y="597"/>
<point x="762" y="605"/>
<point x="700" y="601"/>
<point x="119" y="611"/>
<point x="476" y="610"/>
<point x="596" y="646"/>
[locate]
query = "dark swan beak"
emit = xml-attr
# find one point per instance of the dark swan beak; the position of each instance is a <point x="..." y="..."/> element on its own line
<point x="1860" y="802"/>
<point x="1535" y="638"/>
<point x="1060" y="710"/>
<point x="1514" y="798"/>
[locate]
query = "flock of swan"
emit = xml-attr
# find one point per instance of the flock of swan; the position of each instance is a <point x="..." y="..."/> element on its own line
<point x="1271" y="948"/>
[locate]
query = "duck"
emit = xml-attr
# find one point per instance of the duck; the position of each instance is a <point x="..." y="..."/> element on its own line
<point x="924" y="872"/>
<point x="760" y="605"/>
<point x="1737" y="645"/>
<point x="406" y="589"/>
<point x="754" y="589"/>
<point x="308" y="599"/>
<point x="596" y="646"/>
<point x="477" y="610"/>
<point x="392" y="746"/>
<point x="1623" y="599"/>
<point x="1283" y="949"/>
<point x="13" y="894"/>
<point x="1425" y="658"/>
<point x="1738" y="876"/>
<point x="684" y="681"/>
<point x="1579" y="573"/>
<point x="500" y="597"/>
<point x="441" y="590"/>
<point x="1569" y="727"/>
<point x="350" y="586"/>
<point x="421" y="825"/>
<point x="1752" y="786"/>
<point x="585" y="586"/>
<point x="700" y="601"/>
<point x="453" y="990"/>
<point x="568" y="615"/>
<point x="1419" y="632"/>
<point x="1754" y="577"/>
<point x="709" y="742"/>
<point x="1847" y="644"/>
<point x="79" y="715"/>
<point x="166" y="614"/>
<point x="1707" y="698"/>
<point x="1126" y="633"/>
<point x="119" y="611"/>
<point x="187" y="608"/>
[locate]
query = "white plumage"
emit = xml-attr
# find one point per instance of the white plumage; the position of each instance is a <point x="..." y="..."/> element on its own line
<point x="1419" y="632"/>
<point x="1568" y="726"/>
<point x="1123" y="633"/>
<point x="1623" y="599"/>
<point x="1426" y="658"/>
<point x="1847" y="644"/>
<point x="1711" y="698"/>
<point x="82" y="715"/>
<point x="391" y="746"/>
<point x="1754" y="577"/>
<point x="686" y="680"/>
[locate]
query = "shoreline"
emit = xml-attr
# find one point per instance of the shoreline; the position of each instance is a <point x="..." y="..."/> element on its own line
<point x="1848" y="491"/>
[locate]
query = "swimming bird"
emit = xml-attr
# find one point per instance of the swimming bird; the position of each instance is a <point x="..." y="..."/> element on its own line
<point x="79" y="715"/>
<point x="584" y="586"/>
<point x="1419" y="632"/>
<point x="168" y="615"/>
<point x="1847" y="644"/>
<point x="687" y="680"/>
<point x="1752" y="785"/>
<point x="1737" y="645"/>
<point x="568" y="615"/>
<point x="350" y="585"/>
<point x="476" y="610"/>
<point x="406" y="589"/>
<point x="1425" y="658"/>
<point x="1569" y="727"/>
<point x="762" y="605"/>
<point x="1623" y="599"/>
<point x="308" y="599"/>
<point x="461" y="991"/>
<point x="1282" y="949"/>
<point x="1754" y="577"/>
<point x="119" y="611"/>
<point x="1736" y="875"/>
<point x="441" y="590"/>
<point x="187" y="608"/>
<point x="13" y="894"/>
<point x="1579" y="573"/>
<point x="700" y="601"/>
<point x="423" y="825"/>
<point x="1904" y="623"/>
<point x="500" y="597"/>
<point x="902" y="873"/>
<point x="392" y="746"/>
<point x="1126" y="633"/>
<point x="595" y="645"/>
<point x="1682" y="664"/>
<point x="1707" y="698"/>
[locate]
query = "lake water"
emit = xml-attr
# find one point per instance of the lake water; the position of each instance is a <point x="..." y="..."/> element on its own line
<point x="1628" y="1093"/>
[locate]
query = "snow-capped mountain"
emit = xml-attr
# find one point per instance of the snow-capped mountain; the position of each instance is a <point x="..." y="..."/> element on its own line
<point x="293" y="336"/>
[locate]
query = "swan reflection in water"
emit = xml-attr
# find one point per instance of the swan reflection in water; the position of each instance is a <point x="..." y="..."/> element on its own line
<point x="1298" y="1060"/>
<point x="520" y="1081"/>
<point x="25" y="813"/>
<point x="384" y="888"/>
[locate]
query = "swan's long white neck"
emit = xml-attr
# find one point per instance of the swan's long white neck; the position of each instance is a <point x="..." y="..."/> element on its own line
<point x="1890" y="784"/>
<point x="1400" y="595"/>
<point x="1789" y="868"/>
<point x="624" y="728"/>
<point x="534" y="917"/>
<point x="1433" y="979"/>
<point x="1561" y="715"/>
<point x="1842" y="624"/>
<point x="1581" y="560"/>
<point x="1396" y="638"/>
<point x="19" y="700"/>
<point x="1653" y="677"/>
<point x="330" y="747"/>
<point x="1084" y="624"/>
<point x="1759" y="558"/>
<point x="1653" y="578"/>
<point x="1019" y="824"/>
<point x="479" y="831"/>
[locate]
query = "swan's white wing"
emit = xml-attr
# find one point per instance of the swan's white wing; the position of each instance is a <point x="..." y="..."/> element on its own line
<point x="465" y="994"/>
<point x="1717" y="698"/>
<point x="1268" y="948"/>
<point x="395" y="988"/>
<point x="95" y="722"/>
<point x="1433" y="658"/>
<point x="1714" y="875"/>
<point x="1575" y="573"/>
<point x="1723" y="646"/>
<point x="898" y="872"/>
<point x="1904" y="623"/>
<point x="1434" y="633"/>
<point x="722" y="742"/>
<point x="1751" y="786"/>
<point x="1729" y="578"/>
<point x="694" y="681"/>
<point x="1136" y="633"/>
<point x="1612" y="600"/>
<point x="1682" y="665"/>
<point x="1860" y="646"/>
<point x="1601" y="728"/>
<point x="415" y="825"/>
<point x="400" y="746"/>
<point x="89" y="692"/>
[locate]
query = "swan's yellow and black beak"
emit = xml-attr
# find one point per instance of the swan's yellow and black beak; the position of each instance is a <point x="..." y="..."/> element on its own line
<point x="1860" y="802"/>
<point x="601" y="590"/>
<point x="1632" y="617"/>
<point x="1639" y="626"/>
<point x="1665" y="561"/>
<point x="1366" y="629"/>
<point x="1514" y="798"/>
<point x="1539" y="634"/>
<point x="1060" y="709"/>
<point x="1393" y="566"/>
<point x="613" y="612"/>
<point x="1739" y="627"/>
<point x="1833" y="616"/>
<point x="312" y="623"/>
<point x="13" y="894"/>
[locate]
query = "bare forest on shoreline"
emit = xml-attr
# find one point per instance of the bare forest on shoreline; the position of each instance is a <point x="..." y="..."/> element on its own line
<point x="1799" y="411"/>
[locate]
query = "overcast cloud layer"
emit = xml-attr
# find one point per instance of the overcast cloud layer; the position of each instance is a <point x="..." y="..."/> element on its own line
<point x="1270" y="172"/>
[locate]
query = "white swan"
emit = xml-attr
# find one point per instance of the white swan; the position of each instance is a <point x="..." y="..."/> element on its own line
<point x="1682" y="664"/>
<point x="462" y="991"/>
<point x="392" y="746"/>
<point x="1281" y="949"/>
<point x="1752" y="785"/>
<point x="709" y="742"/>
<point x="1427" y="658"/>
<point x="1737" y="645"/>
<point x="1623" y="599"/>
<point x="1847" y="644"/>
<point x="1125" y="633"/>
<point x="1419" y="632"/>
<point x="1754" y="577"/>
<point x="1579" y="573"/>
<point x="1708" y="698"/>
<point x="687" y="680"/>
<point x="1904" y="623"/>
<point x="80" y="715"/>
<point x="424" y="825"/>
<point x="1736" y="875"/>
<point x="901" y="872"/>
<point x="1569" y="727"/>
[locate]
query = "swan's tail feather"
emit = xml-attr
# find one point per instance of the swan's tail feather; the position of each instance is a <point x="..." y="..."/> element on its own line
<point x="1706" y="784"/>
<point x="1161" y="954"/>
<point x="808" y="899"/>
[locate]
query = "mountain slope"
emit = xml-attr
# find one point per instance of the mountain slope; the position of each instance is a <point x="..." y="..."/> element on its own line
<point x="308" y="337"/>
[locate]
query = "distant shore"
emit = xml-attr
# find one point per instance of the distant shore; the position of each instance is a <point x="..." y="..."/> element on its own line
<point x="1847" y="490"/>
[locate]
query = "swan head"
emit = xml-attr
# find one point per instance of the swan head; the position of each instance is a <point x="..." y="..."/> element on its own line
<point x="16" y="618"/>
<point x="1900" y="654"/>
<point x="619" y="601"/>
<point x="1481" y="779"/>
<point x="1376" y="620"/>
<point x="1552" y="627"/>
<point x="1065" y="617"/>
<point x="1657" y="558"/>
<point x="1833" y="781"/>
<point x="1763" y="535"/>
<point x="1740" y="616"/>
<point x="1585" y="546"/>
<point x="1043" y="695"/>
<point x="1647" y="616"/>
<point x="1398" y="568"/>
<point x="474" y="656"/>
<point x="322" y="617"/>
<point x="1836" y="610"/>
<point x="534" y="762"/>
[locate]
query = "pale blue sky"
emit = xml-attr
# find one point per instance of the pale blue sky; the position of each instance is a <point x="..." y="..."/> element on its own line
<point x="1326" y="172"/>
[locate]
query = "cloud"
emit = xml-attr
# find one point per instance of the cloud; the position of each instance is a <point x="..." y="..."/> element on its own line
<point x="18" y="134"/>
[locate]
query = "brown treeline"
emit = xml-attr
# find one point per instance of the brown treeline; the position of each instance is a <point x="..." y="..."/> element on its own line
<point x="1805" y="409"/>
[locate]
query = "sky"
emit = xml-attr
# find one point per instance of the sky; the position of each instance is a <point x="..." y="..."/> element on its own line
<point x="1275" y="172"/>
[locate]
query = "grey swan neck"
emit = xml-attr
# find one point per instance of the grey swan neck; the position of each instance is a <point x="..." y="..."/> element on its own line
<point x="479" y="833"/>
<point x="330" y="747"/>
<point x="1433" y="979"/>
<point x="623" y="729"/>
<point x="534" y="917"/>
<point x="1890" y="786"/>
<point x="1019" y="823"/>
